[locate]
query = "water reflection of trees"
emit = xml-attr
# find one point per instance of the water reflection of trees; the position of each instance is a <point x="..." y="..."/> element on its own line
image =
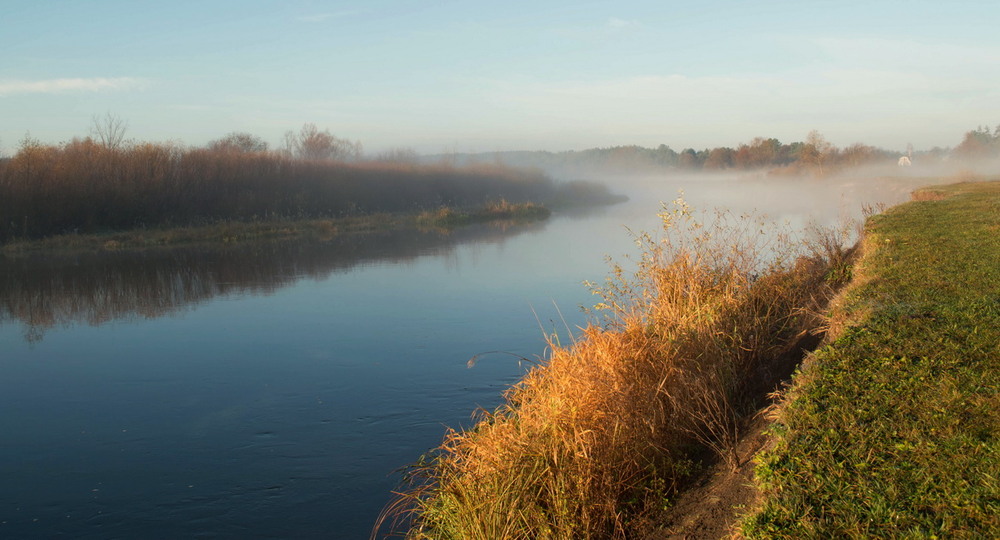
<point x="45" y="290"/>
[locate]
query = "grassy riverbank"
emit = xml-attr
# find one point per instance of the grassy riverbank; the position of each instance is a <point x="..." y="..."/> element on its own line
<point x="596" y="440"/>
<point x="894" y="429"/>
<point x="890" y="431"/>
<point x="231" y="231"/>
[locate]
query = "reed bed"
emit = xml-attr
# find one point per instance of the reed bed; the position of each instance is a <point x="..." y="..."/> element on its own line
<point x="595" y="440"/>
<point x="83" y="186"/>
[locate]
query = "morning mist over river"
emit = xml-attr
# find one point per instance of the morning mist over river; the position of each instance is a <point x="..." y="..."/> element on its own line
<point x="274" y="389"/>
<point x="259" y="258"/>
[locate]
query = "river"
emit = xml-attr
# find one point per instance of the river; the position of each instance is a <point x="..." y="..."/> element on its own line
<point x="273" y="390"/>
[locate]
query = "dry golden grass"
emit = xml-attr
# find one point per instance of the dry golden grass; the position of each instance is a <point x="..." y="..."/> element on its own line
<point x="599" y="436"/>
<point x="927" y="194"/>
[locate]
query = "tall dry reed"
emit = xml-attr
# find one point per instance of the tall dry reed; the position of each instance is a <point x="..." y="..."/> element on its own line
<point x="597" y="438"/>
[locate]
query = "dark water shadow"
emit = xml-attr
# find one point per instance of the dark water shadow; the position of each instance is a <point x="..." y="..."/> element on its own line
<point x="46" y="290"/>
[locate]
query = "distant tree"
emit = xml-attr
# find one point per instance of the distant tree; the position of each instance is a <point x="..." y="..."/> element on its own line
<point x="688" y="159"/>
<point x="815" y="152"/>
<point x="764" y="151"/>
<point x="288" y="144"/>
<point x="31" y="159"/>
<point x="665" y="156"/>
<point x="409" y="155"/>
<point x="979" y="143"/>
<point x="789" y="153"/>
<point x="720" y="158"/>
<point x="109" y="130"/>
<point x="239" y="142"/>
<point x="859" y="154"/>
<point x="934" y="154"/>
<point x="311" y="144"/>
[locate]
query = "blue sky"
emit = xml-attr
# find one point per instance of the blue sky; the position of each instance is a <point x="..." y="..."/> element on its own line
<point x="514" y="75"/>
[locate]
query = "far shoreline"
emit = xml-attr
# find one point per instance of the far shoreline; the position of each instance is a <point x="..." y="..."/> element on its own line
<point x="233" y="231"/>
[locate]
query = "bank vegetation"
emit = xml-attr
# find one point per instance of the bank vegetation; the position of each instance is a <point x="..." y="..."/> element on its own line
<point x="893" y="430"/>
<point x="597" y="439"/>
<point x="890" y="430"/>
<point x="103" y="183"/>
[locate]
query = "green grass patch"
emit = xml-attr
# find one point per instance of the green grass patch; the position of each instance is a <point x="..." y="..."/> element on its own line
<point x="892" y="430"/>
<point x="501" y="210"/>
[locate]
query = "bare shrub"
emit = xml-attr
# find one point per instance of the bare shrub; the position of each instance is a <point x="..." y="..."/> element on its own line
<point x="240" y="142"/>
<point x="109" y="130"/>
<point x="311" y="144"/>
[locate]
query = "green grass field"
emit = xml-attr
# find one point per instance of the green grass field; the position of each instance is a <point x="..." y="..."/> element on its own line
<point x="894" y="429"/>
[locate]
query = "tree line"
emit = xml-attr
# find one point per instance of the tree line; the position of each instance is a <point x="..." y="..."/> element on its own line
<point x="814" y="156"/>
<point x="980" y="143"/>
<point x="104" y="181"/>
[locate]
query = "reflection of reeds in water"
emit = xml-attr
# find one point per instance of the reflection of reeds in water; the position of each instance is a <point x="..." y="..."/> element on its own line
<point x="600" y="435"/>
<point x="44" y="290"/>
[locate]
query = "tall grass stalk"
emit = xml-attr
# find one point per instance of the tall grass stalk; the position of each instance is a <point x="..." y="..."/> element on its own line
<point x="599" y="436"/>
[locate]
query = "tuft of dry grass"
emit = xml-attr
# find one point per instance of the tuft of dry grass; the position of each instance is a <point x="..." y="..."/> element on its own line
<point x="683" y="349"/>
<point x="927" y="195"/>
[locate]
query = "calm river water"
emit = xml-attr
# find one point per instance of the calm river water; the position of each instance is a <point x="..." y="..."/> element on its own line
<point x="271" y="390"/>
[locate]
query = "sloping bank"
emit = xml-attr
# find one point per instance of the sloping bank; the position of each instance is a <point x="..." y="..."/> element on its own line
<point x="894" y="429"/>
<point x="598" y="438"/>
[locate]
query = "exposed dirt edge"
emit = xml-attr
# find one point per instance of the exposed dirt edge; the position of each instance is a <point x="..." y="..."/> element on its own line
<point x="712" y="506"/>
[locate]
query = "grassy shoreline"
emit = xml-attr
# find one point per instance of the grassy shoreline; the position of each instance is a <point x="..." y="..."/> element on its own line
<point x="890" y="431"/>
<point x="231" y="231"/>
<point x="598" y="438"/>
<point x="893" y="430"/>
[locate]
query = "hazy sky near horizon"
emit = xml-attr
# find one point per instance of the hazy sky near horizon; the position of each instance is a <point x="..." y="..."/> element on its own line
<point x="517" y="75"/>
